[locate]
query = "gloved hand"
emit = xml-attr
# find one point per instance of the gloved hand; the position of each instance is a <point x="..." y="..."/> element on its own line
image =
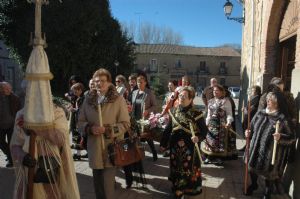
<point x="28" y="161"/>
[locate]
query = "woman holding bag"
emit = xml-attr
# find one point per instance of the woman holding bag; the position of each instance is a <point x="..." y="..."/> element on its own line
<point x="143" y="103"/>
<point x="111" y="122"/>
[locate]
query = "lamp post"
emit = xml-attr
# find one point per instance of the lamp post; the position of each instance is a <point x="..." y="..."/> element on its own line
<point x="116" y="63"/>
<point x="228" y="6"/>
<point x="157" y="74"/>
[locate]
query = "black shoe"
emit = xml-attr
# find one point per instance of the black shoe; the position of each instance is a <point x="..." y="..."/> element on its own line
<point x="76" y="157"/>
<point x="250" y="189"/>
<point x="9" y="165"/>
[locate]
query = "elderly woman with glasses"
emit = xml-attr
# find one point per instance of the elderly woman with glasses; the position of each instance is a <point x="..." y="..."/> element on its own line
<point x="185" y="164"/>
<point x="115" y="122"/>
<point x="219" y="118"/>
<point x="263" y="136"/>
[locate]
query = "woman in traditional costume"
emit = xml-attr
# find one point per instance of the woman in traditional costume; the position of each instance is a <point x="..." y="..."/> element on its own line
<point x="219" y="119"/>
<point x="262" y="137"/>
<point x="185" y="164"/>
<point x="55" y="176"/>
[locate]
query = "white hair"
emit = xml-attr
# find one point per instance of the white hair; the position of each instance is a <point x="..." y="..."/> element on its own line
<point x="271" y="96"/>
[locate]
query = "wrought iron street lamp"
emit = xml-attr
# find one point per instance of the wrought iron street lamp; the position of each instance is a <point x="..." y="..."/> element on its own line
<point x="228" y="6"/>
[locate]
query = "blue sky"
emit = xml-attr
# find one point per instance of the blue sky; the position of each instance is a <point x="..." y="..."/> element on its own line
<point x="201" y="23"/>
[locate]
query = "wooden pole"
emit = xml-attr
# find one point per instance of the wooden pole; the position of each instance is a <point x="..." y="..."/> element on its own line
<point x="275" y="144"/>
<point x="247" y="146"/>
<point x="101" y="124"/>
<point x="29" y="193"/>
<point x="196" y="144"/>
<point x="143" y="118"/>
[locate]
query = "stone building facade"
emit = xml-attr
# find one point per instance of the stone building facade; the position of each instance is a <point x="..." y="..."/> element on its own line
<point x="270" y="44"/>
<point x="171" y="62"/>
<point x="271" y="47"/>
<point x="10" y="71"/>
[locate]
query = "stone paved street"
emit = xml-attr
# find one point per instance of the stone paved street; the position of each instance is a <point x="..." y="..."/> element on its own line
<point x="218" y="181"/>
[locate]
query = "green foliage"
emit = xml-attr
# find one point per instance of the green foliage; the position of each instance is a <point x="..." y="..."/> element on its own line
<point x="82" y="36"/>
<point x="158" y="88"/>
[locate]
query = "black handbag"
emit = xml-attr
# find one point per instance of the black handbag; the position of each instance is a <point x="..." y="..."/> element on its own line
<point x="46" y="173"/>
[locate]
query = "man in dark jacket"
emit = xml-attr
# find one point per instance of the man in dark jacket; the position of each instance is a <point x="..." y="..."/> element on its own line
<point x="254" y="102"/>
<point x="133" y="86"/>
<point x="208" y="92"/>
<point x="9" y="105"/>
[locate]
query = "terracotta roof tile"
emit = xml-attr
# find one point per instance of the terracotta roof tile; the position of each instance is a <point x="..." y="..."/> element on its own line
<point x="185" y="50"/>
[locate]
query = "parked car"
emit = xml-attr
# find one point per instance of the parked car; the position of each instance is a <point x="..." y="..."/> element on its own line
<point x="235" y="92"/>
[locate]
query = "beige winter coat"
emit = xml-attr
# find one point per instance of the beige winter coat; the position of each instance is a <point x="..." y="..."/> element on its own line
<point x="114" y="113"/>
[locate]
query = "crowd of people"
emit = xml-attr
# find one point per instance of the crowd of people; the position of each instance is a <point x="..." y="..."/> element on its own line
<point x="106" y="112"/>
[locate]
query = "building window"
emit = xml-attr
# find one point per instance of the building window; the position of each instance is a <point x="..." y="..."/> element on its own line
<point x="202" y="66"/>
<point x="222" y="69"/>
<point x="178" y="64"/>
<point x="153" y="65"/>
<point x="222" y="64"/>
<point x="165" y="68"/>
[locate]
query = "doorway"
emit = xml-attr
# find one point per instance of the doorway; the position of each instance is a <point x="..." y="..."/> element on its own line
<point x="287" y="61"/>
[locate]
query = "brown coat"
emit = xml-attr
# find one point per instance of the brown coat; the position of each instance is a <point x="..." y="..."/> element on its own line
<point x="114" y="113"/>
